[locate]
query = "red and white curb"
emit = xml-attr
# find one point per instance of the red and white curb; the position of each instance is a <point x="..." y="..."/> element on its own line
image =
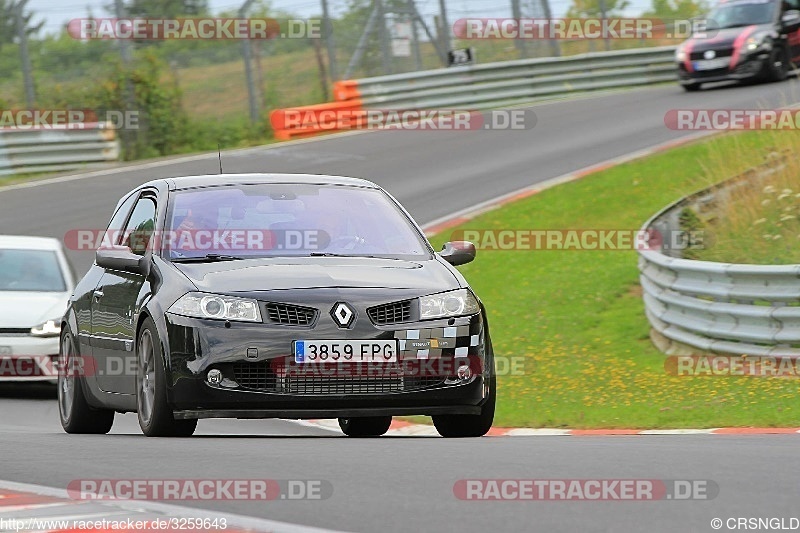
<point x="401" y="428"/>
<point x="459" y="217"/>
<point x="35" y="508"/>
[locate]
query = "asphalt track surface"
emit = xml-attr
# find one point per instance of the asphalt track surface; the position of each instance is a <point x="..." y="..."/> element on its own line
<point x="406" y="483"/>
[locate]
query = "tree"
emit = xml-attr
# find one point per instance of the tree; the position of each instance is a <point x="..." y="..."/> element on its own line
<point x="676" y="9"/>
<point x="8" y="28"/>
<point x="166" y="8"/>
<point x="591" y="8"/>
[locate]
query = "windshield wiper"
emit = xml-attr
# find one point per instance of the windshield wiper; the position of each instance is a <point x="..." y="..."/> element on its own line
<point x="208" y="258"/>
<point x="331" y="254"/>
<point x="328" y="254"/>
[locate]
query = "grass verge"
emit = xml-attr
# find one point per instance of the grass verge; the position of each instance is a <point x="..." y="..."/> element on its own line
<point x="576" y="318"/>
<point x="759" y="223"/>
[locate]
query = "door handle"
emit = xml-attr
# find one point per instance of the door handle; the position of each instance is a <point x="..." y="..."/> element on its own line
<point x="98" y="294"/>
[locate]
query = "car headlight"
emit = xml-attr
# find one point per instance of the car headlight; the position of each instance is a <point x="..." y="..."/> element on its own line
<point x="51" y="328"/>
<point x="200" y="305"/>
<point x="680" y="55"/>
<point x="446" y="304"/>
<point x="754" y="43"/>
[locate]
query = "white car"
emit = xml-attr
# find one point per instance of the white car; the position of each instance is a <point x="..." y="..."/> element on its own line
<point x="35" y="284"/>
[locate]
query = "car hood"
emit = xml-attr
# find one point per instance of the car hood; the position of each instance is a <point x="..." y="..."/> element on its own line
<point x="25" y="309"/>
<point x="318" y="272"/>
<point x="724" y="38"/>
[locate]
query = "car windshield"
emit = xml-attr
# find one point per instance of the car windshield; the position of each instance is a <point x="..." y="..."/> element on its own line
<point x="744" y="13"/>
<point x="272" y="220"/>
<point x="30" y="270"/>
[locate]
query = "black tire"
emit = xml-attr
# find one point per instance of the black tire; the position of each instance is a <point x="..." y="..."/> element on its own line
<point x="77" y="416"/>
<point x="691" y="87"/>
<point x="153" y="411"/>
<point x="457" y="426"/>
<point x="777" y="67"/>
<point x="365" y="426"/>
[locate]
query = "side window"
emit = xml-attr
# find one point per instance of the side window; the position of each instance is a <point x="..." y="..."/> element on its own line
<point x="140" y="226"/>
<point x="119" y="218"/>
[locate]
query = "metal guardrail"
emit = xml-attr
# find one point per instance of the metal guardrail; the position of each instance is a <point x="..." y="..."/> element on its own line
<point x="719" y="307"/>
<point x="26" y="151"/>
<point x="512" y="82"/>
<point x="486" y="86"/>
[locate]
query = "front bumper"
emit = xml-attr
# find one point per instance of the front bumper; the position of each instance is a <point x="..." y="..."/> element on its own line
<point x="27" y="358"/>
<point x="260" y="379"/>
<point x="748" y="67"/>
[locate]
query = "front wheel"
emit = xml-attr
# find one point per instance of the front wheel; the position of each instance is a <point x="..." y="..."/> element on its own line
<point x="76" y="415"/>
<point x="365" y="426"/>
<point x="777" y="67"/>
<point x="691" y="87"/>
<point x="469" y="425"/>
<point x="155" y="415"/>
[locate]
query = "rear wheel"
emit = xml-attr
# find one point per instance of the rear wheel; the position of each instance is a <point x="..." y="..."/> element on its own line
<point x="365" y="426"/>
<point x="76" y="415"/>
<point x="155" y="414"/>
<point x="469" y="425"/>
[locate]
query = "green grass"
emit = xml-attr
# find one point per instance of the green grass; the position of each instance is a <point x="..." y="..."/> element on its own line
<point x="759" y="222"/>
<point x="577" y="318"/>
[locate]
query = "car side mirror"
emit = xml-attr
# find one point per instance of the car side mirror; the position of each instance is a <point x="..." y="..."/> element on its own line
<point x="458" y="252"/>
<point x="791" y="17"/>
<point x="122" y="258"/>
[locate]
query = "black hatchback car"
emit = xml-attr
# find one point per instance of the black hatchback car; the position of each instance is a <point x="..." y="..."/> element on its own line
<point x="259" y="296"/>
<point x="744" y="40"/>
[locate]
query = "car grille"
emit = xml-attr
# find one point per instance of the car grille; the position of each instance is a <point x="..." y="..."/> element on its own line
<point x="342" y="385"/>
<point x="257" y="376"/>
<point x="15" y="331"/>
<point x="260" y="376"/>
<point x="725" y="52"/>
<point x="292" y="315"/>
<point x="390" y="313"/>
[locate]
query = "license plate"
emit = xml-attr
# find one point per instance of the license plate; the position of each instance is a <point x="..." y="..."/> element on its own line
<point x="333" y="351"/>
<point x="6" y="350"/>
<point x="711" y="64"/>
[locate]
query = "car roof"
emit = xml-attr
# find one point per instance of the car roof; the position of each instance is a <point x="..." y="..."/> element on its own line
<point x="25" y="242"/>
<point x="212" y="180"/>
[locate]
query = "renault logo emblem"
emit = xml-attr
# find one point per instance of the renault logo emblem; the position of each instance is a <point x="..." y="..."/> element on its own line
<point x="709" y="54"/>
<point x="343" y="314"/>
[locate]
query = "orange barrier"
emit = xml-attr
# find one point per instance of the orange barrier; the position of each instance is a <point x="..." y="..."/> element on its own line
<point x="314" y="119"/>
<point x="346" y="90"/>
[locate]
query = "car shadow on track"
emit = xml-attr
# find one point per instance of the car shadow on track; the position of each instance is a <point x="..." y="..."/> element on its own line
<point x="28" y="391"/>
<point x="730" y="85"/>
<point x="275" y="437"/>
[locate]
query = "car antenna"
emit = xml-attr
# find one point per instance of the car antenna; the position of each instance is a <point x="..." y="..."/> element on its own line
<point x="219" y="151"/>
